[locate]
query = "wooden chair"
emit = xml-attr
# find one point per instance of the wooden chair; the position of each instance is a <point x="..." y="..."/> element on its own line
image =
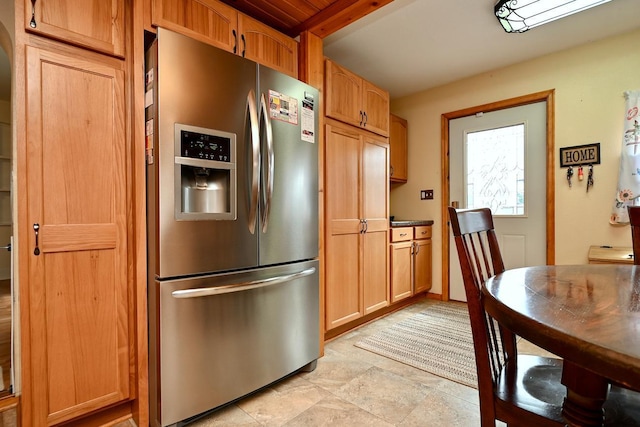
<point x="634" y="221"/>
<point x="520" y="390"/>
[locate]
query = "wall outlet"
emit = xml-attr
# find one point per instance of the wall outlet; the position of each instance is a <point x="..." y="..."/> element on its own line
<point x="426" y="194"/>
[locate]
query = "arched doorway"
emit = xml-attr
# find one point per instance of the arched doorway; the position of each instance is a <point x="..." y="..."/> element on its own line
<point x="7" y="308"/>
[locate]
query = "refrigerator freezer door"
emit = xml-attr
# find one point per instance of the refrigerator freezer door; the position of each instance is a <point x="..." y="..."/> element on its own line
<point x="223" y="336"/>
<point x="202" y="87"/>
<point x="289" y="197"/>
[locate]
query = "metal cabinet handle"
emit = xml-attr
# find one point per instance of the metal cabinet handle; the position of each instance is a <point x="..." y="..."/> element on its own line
<point x="417" y="246"/>
<point x="403" y="234"/>
<point x="366" y="225"/>
<point x="361" y="118"/>
<point x="244" y="45"/>
<point x="366" y="119"/>
<point x="239" y="287"/>
<point x="235" y="41"/>
<point x="7" y="247"/>
<point x="36" y="229"/>
<point x="32" y="23"/>
<point x="391" y="170"/>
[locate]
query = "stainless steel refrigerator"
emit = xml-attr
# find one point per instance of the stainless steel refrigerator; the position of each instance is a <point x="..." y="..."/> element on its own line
<point x="232" y="180"/>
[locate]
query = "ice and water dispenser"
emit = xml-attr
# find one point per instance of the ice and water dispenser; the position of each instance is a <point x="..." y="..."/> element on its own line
<point x="205" y="174"/>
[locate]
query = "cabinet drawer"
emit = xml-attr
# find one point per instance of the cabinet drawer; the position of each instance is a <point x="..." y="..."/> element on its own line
<point x="401" y="234"/>
<point x="422" y="232"/>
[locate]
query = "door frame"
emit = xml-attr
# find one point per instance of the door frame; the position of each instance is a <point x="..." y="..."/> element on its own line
<point x="549" y="97"/>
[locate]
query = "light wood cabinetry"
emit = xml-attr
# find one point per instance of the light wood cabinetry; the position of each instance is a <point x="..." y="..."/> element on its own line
<point x="422" y="275"/>
<point x="266" y="46"/>
<point x="215" y="23"/>
<point x="397" y="149"/>
<point x="356" y="260"/>
<point x="83" y="342"/>
<point x="95" y="24"/>
<point x="410" y="252"/>
<point x="78" y="295"/>
<point x="353" y="100"/>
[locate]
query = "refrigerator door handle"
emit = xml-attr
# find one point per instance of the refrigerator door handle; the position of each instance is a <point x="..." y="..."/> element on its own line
<point x="255" y="159"/>
<point x="243" y="286"/>
<point x="270" y="163"/>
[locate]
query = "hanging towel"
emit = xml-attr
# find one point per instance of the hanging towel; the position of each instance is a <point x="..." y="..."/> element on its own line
<point x="628" y="191"/>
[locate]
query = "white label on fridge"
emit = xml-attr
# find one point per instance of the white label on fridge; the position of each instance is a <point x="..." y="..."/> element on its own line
<point x="283" y="107"/>
<point x="148" y="98"/>
<point x="307" y="121"/>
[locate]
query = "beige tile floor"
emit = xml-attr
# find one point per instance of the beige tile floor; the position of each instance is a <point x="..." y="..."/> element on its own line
<point x="354" y="387"/>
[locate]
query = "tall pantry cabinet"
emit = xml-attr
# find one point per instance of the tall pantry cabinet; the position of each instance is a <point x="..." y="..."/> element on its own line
<point x="356" y="200"/>
<point x="82" y="352"/>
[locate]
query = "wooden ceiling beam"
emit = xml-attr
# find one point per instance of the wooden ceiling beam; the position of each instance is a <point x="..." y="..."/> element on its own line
<point x="338" y="15"/>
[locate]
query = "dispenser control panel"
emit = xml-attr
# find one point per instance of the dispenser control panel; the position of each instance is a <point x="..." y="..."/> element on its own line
<point x="206" y="147"/>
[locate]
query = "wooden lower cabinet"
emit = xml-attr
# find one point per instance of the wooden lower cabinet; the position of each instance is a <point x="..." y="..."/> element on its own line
<point x="78" y="346"/>
<point x="357" y="234"/>
<point x="401" y="270"/>
<point x="422" y="266"/>
<point x="410" y="252"/>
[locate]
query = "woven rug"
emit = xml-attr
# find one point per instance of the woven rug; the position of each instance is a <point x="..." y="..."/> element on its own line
<point x="437" y="340"/>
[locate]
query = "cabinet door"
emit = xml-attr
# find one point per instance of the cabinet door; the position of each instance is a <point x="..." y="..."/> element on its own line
<point x="343" y="96"/>
<point x="342" y="248"/>
<point x="78" y="351"/>
<point x="401" y="270"/>
<point x="96" y="24"/>
<point x="398" y="149"/>
<point x="375" y="211"/>
<point x="209" y="21"/>
<point x="266" y="46"/>
<point x="422" y="266"/>
<point x="375" y="107"/>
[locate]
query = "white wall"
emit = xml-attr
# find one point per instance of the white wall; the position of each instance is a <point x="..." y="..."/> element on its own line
<point x="589" y="82"/>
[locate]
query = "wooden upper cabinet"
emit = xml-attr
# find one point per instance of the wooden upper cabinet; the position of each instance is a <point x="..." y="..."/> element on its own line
<point x="209" y="21"/>
<point x="217" y="24"/>
<point x="95" y="24"/>
<point x="398" y="149"/>
<point x="264" y="45"/>
<point x="375" y="106"/>
<point x="353" y="100"/>
<point x="76" y="292"/>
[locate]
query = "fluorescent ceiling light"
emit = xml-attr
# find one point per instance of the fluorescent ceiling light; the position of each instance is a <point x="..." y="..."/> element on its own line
<point x="517" y="16"/>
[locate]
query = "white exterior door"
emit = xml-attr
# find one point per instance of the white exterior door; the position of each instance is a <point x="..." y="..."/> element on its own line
<point x="498" y="160"/>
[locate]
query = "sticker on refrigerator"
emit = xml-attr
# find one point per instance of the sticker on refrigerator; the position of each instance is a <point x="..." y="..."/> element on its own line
<point x="283" y="107"/>
<point x="307" y="122"/>
<point x="148" y="133"/>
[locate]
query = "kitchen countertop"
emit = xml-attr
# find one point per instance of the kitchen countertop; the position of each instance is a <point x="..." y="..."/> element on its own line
<point x="410" y="222"/>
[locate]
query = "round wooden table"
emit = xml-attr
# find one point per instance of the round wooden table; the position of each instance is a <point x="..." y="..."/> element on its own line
<point x="589" y="315"/>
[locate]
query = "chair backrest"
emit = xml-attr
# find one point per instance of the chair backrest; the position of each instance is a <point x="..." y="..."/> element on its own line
<point x="634" y="220"/>
<point x="480" y="258"/>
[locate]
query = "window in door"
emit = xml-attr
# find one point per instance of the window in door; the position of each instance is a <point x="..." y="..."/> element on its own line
<point x="495" y="170"/>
